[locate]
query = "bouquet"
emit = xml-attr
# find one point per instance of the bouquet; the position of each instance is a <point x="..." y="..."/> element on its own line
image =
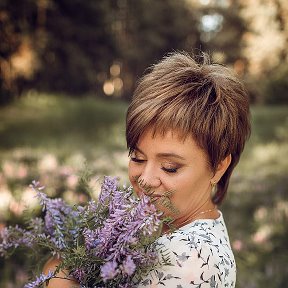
<point x="104" y="243"/>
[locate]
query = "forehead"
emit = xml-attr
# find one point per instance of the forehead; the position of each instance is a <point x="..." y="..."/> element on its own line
<point x="160" y="145"/>
<point x="170" y="140"/>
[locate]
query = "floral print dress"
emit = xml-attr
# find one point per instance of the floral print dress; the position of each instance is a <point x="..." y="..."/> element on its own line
<point x="201" y="257"/>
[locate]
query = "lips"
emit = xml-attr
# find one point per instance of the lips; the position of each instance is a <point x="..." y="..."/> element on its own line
<point x="154" y="195"/>
<point x="151" y="194"/>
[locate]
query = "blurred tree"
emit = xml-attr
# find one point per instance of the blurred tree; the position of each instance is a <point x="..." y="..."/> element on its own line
<point x="18" y="55"/>
<point x="80" y="45"/>
<point x="220" y="24"/>
<point x="54" y="45"/>
<point x="75" y="43"/>
<point x="276" y="87"/>
<point x="266" y="45"/>
<point x="267" y="39"/>
<point x="103" y="46"/>
<point x="149" y="30"/>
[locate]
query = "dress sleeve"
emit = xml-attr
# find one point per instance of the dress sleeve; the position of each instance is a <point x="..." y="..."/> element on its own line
<point x="194" y="265"/>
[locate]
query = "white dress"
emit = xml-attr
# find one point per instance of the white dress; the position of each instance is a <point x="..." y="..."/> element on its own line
<point x="201" y="256"/>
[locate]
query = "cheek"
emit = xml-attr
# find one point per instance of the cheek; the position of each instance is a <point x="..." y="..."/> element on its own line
<point x="188" y="186"/>
<point x="133" y="173"/>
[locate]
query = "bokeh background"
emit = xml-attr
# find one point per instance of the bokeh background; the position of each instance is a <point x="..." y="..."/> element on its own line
<point x="68" y="70"/>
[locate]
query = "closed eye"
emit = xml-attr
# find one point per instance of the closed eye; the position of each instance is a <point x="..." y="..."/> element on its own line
<point x="170" y="170"/>
<point x="137" y="160"/>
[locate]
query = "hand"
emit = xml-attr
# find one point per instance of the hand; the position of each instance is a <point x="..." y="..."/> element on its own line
<point x="51" y="265"/>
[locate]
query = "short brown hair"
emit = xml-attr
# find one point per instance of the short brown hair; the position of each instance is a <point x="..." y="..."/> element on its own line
<point x="203" y="100"/>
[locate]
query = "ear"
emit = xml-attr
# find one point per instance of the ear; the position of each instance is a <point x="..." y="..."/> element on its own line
<point x="221" y="169"/>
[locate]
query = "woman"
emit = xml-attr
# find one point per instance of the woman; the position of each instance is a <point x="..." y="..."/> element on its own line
<point x="186" y="129"/>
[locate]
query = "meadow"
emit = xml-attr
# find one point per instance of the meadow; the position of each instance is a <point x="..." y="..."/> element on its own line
<point x="52" y="138"/>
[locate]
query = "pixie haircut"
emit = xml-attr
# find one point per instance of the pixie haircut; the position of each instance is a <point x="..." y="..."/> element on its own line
<point x="198" y="99"/>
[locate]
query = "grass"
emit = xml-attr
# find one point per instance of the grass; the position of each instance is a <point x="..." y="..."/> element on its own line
<point x="62" y="125"/>
<point x="50" y="137"/>
<point x="257" y="204"/>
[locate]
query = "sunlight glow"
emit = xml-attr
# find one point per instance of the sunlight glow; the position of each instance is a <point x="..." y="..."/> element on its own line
<point x="108" y="87"/>
<point x="115" y="70"/>
<point x="212" y="22"/>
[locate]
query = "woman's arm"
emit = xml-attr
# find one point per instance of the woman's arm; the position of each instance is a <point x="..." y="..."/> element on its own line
<point x="51" y="265"/>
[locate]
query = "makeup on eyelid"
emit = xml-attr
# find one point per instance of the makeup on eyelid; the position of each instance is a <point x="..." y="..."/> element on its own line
<point x="168" y="166"/>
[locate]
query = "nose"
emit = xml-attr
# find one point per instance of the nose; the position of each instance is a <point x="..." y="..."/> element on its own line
<point x="149" y="178"/>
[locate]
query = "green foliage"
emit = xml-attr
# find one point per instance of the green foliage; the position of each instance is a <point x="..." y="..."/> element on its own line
<point x="59" y="123"/>
<point x="276" y="87"/>
<point x="5" y="94"/>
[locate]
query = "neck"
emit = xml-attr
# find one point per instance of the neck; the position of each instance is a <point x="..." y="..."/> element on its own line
<point x="207" y="210"/>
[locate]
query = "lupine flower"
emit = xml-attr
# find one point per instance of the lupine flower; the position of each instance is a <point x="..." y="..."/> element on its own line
<point x="91" y="239"/>
<point x="105" y="243"/>
<point x="40" y="280"/>
<point x="36" y="224"/>
<point x="129" y="266"/>
<point x="13" y="237"/>
<point x="79" y="274"/>
<point x="108" y="189"/>
<point x="109" y="270"/>
<point x="56" y="215"/>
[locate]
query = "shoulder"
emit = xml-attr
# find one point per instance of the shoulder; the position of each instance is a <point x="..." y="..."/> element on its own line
<point x="210" y="233"/>
<point x="204" y="243"/>
<point x="200" y="254"/>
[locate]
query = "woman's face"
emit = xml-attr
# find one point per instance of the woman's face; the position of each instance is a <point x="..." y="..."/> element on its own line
<point x="169" y="163"/>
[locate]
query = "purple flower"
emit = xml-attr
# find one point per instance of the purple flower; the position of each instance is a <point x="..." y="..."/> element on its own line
<point x="108" y="188"/>
<point x="40" y="280"/>
<point x="128" y="266"/>
<point x="128" y="220"/>
<point x="79" y="274"/>
<point x="13" y="237"/>
<point x="36" y="224"/>
<point x="49" y="223"/>
<point x="107" y="242"/>
<point x="109" y="270"/>
<point x="91" y="239"/>
<point x="126" y="285"/>
<point x="57" y="214"/>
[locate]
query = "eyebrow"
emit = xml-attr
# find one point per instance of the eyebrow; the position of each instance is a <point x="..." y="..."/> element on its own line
<point x="161" y="155"/>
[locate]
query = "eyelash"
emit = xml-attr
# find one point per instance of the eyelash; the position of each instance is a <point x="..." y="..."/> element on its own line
<point x="168" y="170"/>
<point x="134" y="159"/>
